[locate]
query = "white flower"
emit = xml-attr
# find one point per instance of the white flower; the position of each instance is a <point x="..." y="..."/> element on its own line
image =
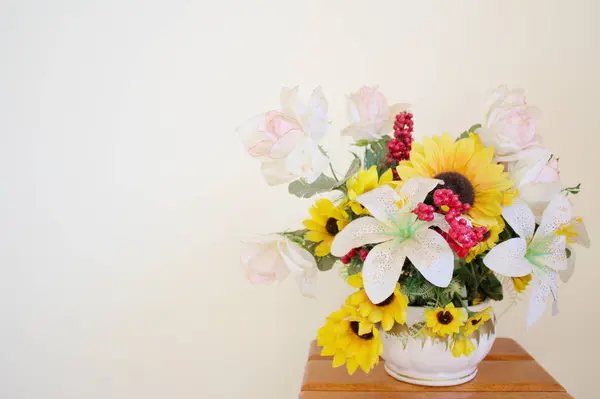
<point x="542" y="253"/>
<point x="399" y="235"/>
<point x="536" y="177"/>
<point x="369" y="115"/>
<point x="510" y="125"/>
<point x="271" y="258"/>
<point x="286" y="141"/>
<point x="576" y="233"/>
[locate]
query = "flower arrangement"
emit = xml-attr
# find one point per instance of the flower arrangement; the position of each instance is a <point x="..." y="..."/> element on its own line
<point x="442" y="223"/>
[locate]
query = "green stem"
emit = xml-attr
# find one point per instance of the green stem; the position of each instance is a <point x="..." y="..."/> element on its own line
<point x="333" y="172"/>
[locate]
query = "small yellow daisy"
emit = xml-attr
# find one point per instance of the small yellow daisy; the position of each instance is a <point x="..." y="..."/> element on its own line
<point x="476" y="321"/>
<point x="326" y="221"/>
<point x="445" y="321"/>
<point x="521" y="283"/>
<point x="462" y="346"/>
<point x="388" y="312"/>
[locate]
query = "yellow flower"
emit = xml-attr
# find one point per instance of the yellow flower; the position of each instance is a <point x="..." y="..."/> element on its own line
<point x="341" y="338"/>
<point x="476" y="321"/>
<point x="521" y="283"/>
<point x="365" y="181"/>
<point x="508" y="197"/>
<point x="326" y="221"/>
<point x="462" y="346"/>
<point x="490" y="239"/>
<point x="467" y="168"/>
<point x="445" y="321"/>
<point x="388" y="312"/>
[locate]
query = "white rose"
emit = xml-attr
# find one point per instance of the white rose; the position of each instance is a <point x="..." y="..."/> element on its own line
<point x="369" y="114"/>
<point x="537" y="178"/>
<point x="271" y="258"/>
<point x="510" y="125"/>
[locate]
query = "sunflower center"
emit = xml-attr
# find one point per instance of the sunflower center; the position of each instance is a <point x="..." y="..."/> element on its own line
<point x="459" y="184"/>
<point x="475" y="321"/>
<point x="444" y="317"/>
<point x="331" y="226"/>
<point x="388" y="300"/>
<point x="487" y="235"/>
<point x="354" y="327"/>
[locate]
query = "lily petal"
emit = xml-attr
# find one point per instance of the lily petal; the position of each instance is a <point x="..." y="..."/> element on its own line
<point x="557" y="213"/>
<point x="417" y="189"/>
<point x="520" y="218"/>
<point x="565" y="275"/>
<point x="364" y="230"/>
<point x="381" y="203"/>
<point x="508" y="258"/>
<point x="431" y="255"/>
<point x="381" y="271"/>
<point x="551" y="253"/>
<point x="543" y="285"/>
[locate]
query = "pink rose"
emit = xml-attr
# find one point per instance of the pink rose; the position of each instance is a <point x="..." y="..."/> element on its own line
<point x="510" y="125"/>
<point x="286" y="141"/>
<point x="369" y="114"/>
<point x="270" y="258"/>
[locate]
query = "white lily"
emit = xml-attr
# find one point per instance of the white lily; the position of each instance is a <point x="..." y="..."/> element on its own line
<point x="576" y="233"/>
<point x="399" y="235"/>
<point x="542" y="253"/>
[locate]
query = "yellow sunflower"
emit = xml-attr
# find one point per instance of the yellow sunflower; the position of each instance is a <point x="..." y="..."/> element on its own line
<point x="476" y="321"/>
<point x="326" y="221"/>
<point x="365" y="181"/>
<point x="521" y="283"/>
<point x="388" y="312"/>
<point x="340" y="337"/>
<point x="466" y="167"/>
<point x="445" y="321"/>
<point x="462" y="346"/>
<point x="490" y="239"/>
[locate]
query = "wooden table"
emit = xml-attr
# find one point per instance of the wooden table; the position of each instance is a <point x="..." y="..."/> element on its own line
<point x="508" y="372"/>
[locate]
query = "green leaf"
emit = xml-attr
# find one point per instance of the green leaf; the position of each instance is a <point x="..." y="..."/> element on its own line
<point x="573" y="190"/>
<point x="352" y="169"/>
<point x="325" y="263"/>
<point x="492" y="287"/>
<point x="472" y="129"/>
<point x="376" y="153"/>
<point x="302" y="189"/>
<point x="362" y="143"/>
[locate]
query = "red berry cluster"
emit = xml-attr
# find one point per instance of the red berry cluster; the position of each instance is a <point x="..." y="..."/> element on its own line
<point x="424" y="212"/>
<point x="400" y="145"/>
<point x="362" y="254"/>
<point x="461" y="237"/>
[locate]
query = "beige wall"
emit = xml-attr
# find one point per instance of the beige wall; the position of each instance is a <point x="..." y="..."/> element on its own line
<point x="125" y="190"/>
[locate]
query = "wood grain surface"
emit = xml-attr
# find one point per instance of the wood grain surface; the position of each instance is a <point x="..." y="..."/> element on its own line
<point x="508" y="372"/>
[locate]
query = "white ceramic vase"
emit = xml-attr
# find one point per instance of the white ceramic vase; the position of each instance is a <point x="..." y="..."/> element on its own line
<point x="421" y="360"/>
